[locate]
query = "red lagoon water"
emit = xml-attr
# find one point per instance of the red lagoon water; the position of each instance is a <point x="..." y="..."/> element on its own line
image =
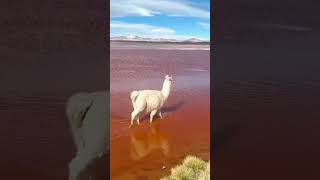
<point x="142" y="151"/>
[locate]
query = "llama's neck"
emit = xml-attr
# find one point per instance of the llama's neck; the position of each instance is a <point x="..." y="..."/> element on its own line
<point x="166" y="90"/>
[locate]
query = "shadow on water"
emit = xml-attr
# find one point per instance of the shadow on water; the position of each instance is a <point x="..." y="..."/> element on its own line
<point x="165" y="110"/>
<point x="144" y="142"/>
<point x="173" y="108"/>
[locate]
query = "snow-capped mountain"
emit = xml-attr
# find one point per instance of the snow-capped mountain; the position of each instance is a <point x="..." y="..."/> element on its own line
<point x="138" y="38"/>
<point x="194" y="40"/>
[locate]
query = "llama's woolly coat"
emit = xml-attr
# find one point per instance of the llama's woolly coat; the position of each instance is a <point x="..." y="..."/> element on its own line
<point x="148" y="100"/>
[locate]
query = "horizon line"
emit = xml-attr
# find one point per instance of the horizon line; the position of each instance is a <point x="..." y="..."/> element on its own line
<point x="161" y="37"/>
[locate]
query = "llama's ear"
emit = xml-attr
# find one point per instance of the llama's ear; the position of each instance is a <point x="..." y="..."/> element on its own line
<point x="167" y="76"/>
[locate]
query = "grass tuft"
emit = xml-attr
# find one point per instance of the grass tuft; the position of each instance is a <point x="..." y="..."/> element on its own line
<point x="192" y="168"/>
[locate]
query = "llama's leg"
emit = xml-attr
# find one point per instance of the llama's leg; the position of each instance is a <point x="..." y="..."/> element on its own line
<point x="81" y="146"/>
<point x="132" y="118"/>
<point x="159" y="113"/>
<point x="74" y="171"/>
<point x="76" y="136"/>
<point x="138" y="120"/>
<point x="79" y="164"/>
<point x="154" y="112"/>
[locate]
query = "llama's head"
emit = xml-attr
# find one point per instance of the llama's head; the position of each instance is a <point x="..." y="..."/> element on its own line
<point x="169" y="79"/>
<point x="167" y="86"/>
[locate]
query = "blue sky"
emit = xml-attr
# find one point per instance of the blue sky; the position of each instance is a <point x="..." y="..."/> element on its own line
<point x="178" y="19"/>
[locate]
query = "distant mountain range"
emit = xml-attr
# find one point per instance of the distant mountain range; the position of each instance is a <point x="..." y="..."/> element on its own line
<point x="138" y="38"/>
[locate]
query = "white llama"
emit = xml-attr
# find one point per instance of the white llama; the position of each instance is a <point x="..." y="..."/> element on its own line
<point x="150" y="101"/>
<point x="88" y="118"/>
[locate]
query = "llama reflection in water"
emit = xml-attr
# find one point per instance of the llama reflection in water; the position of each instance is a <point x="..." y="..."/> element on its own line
<point x="144" y="143"/>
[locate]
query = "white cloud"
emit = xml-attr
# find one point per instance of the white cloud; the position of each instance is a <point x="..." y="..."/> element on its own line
<point x="123" y="28"/>
<point x="119" y="28"/>
<point x="204" y="25"/>
<point x="122" y="8"/>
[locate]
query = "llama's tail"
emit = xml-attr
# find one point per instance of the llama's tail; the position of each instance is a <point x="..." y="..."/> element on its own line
<point x="133" y="96"/>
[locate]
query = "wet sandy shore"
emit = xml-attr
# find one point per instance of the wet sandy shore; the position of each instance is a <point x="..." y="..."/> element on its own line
<point x="156" y="45"/>
<point x="142" y="151"/>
